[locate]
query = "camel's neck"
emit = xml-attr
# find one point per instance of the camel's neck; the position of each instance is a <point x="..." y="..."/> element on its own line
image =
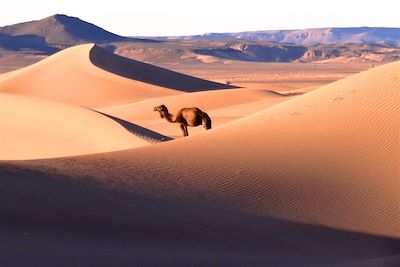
<point x="169" y="117"/>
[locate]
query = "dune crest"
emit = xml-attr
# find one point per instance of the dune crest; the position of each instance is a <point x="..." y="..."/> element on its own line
<point x="70" y="76"/>
<point x="150" y="74"/>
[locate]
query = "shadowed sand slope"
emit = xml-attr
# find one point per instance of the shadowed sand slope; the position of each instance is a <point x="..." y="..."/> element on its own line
<point x="33" y="128"/>
<point x="70" y="76"/>
<point x="151" y="74"/>
<point x="325" y="160"/>
<point x="139" y="131"/>
<point x="59" y="222"/>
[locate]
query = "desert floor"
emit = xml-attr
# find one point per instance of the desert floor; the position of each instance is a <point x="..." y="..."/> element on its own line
<point x="300" y="168"/>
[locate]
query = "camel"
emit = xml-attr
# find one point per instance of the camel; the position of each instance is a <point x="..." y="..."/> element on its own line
<point x="186" y="117"/>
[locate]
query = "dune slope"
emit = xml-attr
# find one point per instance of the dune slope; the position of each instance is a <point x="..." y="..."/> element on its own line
<point x="33" y="128"/>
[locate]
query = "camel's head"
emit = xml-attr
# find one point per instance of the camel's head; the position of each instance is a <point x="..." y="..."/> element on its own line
<point x="162" y="109"/>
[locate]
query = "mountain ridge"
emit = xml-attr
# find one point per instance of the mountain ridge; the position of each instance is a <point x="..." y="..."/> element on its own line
<point x="62" y="31"/>
<point x="311" y="36"/>
<point x="57" y="32"/>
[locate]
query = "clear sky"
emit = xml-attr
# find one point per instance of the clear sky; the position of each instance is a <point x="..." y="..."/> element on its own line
<point x="184" y="17"/>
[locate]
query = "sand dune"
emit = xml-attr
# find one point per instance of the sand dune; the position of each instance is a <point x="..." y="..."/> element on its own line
<point x="325" y="143"/>
<point x="329" y="157"/>
<point x="71" y="76"/>
<point x="311" y="181"/>
<point x="33" y="128"/>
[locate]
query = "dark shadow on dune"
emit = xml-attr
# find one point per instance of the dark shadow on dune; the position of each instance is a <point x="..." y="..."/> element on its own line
<point x="49" y="219"/>
<point x="285" y="94"/>
<point x="139" y="131"/>
<point x="151" y="74"/>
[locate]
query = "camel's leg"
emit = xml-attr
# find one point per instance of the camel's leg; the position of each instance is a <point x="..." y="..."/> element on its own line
<point x="206" y="121"/>
<point x="184" y="129"/>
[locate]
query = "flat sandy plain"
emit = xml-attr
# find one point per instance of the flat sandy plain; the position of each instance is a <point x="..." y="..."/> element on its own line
<point x="301" y="167"/>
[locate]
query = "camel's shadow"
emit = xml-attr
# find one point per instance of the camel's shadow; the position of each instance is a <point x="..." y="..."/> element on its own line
<point x="139" y="131"/>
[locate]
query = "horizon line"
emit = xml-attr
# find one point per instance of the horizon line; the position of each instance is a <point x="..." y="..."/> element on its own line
<point x="203" y="33"/>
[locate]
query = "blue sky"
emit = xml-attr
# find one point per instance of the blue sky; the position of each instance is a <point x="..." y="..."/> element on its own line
<point x="180" y="17"/>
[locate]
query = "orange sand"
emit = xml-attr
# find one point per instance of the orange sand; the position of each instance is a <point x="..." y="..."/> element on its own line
<point x="305" y="180"/>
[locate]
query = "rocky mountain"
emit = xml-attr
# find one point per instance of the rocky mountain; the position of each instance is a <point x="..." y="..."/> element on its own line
<point x="351" y="53"/>
<point x="58" y="31"/>
<point x="263" y="52"/>
<point x="359" y="35"/>
<point x="212" y="51"/>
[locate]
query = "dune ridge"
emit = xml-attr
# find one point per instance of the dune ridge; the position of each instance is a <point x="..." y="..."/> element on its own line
<point x="70" y="76"/>
<point x="151" y="74"/>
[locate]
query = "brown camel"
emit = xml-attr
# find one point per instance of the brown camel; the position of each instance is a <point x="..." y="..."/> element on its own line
<point x="186" y="117"/>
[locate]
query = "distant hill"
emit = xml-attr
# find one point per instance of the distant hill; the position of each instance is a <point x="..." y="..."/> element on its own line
<point x="58" y="31"/>
<point x="359" y="35"/>
<point x="212" y="51"/>
<point x="262" y="52"/>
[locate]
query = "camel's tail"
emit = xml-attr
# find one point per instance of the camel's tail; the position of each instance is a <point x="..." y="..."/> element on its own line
<point x="206" y="120"/>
